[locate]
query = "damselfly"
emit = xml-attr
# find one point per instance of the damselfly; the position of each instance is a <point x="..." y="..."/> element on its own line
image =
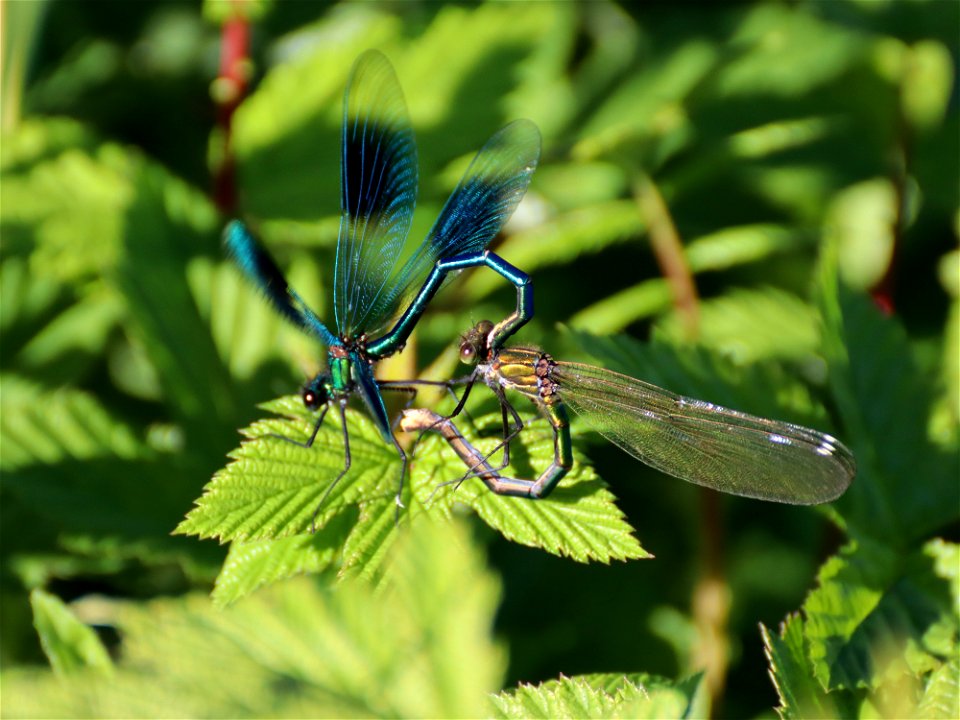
<point x="697" y="441"/>
<point x="378" y="294"/>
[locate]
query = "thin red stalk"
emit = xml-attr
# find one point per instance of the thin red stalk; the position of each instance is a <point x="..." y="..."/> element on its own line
<point x="229" y="91"/>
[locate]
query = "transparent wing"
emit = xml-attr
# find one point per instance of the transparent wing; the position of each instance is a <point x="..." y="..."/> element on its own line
<point x="482" y="202"/>
<point x="707" y="444"/>
<point x="378" y="191"/>
<point x="255" y="262"/>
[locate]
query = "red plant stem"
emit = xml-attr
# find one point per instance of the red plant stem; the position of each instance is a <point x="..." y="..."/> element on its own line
<point x="230" y="89"/>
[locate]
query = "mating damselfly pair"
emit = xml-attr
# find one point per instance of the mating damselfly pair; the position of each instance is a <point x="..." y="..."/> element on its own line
<point x="381" y="291"/>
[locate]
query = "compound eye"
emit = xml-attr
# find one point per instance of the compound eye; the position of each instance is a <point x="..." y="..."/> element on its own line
<point x="312" y="399"/>
<point x="468" y="353"/>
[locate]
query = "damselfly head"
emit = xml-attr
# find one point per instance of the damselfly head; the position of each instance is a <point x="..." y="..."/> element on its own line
<point x="473" y="344"/>
<point x="316" y="392"/>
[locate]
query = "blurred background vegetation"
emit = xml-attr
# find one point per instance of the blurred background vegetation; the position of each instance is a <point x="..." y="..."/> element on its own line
<point x="754" y="204"/>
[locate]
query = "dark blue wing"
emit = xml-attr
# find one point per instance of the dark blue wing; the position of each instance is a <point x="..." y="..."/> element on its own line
<point x="484" y="200"/>
<point x="252" y="258"/>
<point x="369" y="390"/>
<point x="378" y="191"/>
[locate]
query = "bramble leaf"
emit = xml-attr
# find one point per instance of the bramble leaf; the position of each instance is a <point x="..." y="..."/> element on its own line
<point x="578" y="519"/>
<point x="271" y="491"/>
<point x="419" y="646"/>
<point x="70" y="645"/>
<point x="874" y="608"/>
<point x="609" y="695"/>
<point x="273" y="487"/>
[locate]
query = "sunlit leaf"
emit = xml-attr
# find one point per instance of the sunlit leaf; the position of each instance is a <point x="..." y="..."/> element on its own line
<point x="250" y="565"/>
<point x="906" y="485"/>
<point x="941" y="697"/>
<point x="579" y="518"/>
<point x="748" y="325"/>
<point x="600" y="696"/>
<point x="70" y="645"/>
<point x="564" y="238"/>
<point x="297" y="650"/>
<point x="801" y="695"/>
<point x="870" y="609"/>
<point x="43" y="426"/>
<point x="650" y="104"/>
<point x="273" y="488"/>
<point x="786" y="52"/>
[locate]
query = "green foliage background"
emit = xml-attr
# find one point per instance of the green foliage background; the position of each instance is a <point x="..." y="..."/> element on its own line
<point x="806" y="153"/>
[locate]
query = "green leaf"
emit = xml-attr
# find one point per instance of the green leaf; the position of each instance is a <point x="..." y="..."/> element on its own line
<point x="286" y="133"/>
<point x="39" y="426"/>
<point x="417" y="647"/>
<point x="59" y="196"/>
<point x="928" y="76"/>
<point x="579" y="184"/>
<point x="861" y="220"/>
<point x="438" y="582"/>
<point x="579" y="519"/>
<point x="742" y="244"/>
<point x="246" y="330"/>
<point x="366" y="548"/>
<point x="54" y="332"/>
<point x="906" y="486"/>
<point x="81" y="329"/>
<point x="808" y="52"/>
<point x="36" y="139"/>
<point x="251" y="11"/>
<point x="730" y="247"/>
<point x="70" y="645"/>
<point x="564" y="238"/>
<point x="25" y="300"/>
<point x="873" y="611"/>
<point x="250" y="565"/>
<point x="941" y="697"/>
<point x="649" y="105"/>
<point x="165" y="225"/>
<point x="751" y="324"/>
<point x="85" y="494"/>
<point x="272" y="489"/>
<point x="946" y="558"/>
<point x="801" y="695"/>
<point x="614" y="313"/>
<point x="600" y="696"/>
<point x="563" y="698"/>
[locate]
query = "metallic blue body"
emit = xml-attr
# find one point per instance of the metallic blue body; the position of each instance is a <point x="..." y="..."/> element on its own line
<point x="377" y="298"/>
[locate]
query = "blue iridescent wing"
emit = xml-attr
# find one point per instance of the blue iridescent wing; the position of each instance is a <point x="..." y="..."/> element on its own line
<point x="486" y="197"/>
<point x="255" y="262"/>
<point x="378" y="191"/>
